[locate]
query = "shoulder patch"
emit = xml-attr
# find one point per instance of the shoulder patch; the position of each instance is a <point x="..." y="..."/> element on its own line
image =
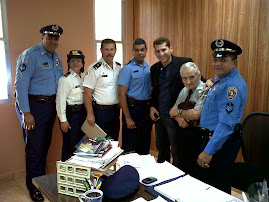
<point x="229" y="107"/>
<point x="231" y="93"/>
<point x="97" y="65"/>
<point x="128" y="62"/>
<point x="67" y="74"/>
<point x="118" y="63"/>
<point x="22" y="67"/>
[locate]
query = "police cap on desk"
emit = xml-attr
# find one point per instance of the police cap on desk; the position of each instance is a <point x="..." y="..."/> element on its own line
<point x="121" y="184"/>
<point x="52" y="29"/>
<point x="75" y="54"/>
<point x="224" y="48"/>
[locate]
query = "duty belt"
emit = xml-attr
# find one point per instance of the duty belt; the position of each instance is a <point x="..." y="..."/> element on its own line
<point x="206" y="134"/>
<point x="133" y="102"/>
<point x="75" y="108"/>
<point x="104" y="107"/>
<point x="42" y="98"/>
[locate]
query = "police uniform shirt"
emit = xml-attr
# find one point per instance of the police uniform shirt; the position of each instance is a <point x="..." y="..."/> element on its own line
<point x="37" y="73"/>
<point x="70" y="91"/>
<point x="223" y="109"/>
<point x="137" y="78"/>
<point x="104" y="81"/>
<point x="198" y="96"/>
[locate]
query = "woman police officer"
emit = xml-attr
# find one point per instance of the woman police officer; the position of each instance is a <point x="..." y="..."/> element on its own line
<point x="69" y="103"/>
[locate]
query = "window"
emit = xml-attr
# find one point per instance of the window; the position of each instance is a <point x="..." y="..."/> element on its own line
<point x="109" y="24"/>
<point x="5" y="73"/>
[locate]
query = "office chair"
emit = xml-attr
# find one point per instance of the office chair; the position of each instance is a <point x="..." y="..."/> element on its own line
<point x="255" y="150"/>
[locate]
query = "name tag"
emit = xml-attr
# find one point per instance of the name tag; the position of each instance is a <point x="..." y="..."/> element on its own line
<point x="45" y="64"/>
<point x="104" y="75"/>
<point x="135" y="71"/>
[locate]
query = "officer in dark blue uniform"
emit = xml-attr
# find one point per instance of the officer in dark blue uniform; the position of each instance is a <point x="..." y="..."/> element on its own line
<point x="38" y="71"/>
<point x="134" y="95"/>
<point x="220" y="116"/>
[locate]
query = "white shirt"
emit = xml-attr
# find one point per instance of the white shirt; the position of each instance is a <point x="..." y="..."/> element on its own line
<point x="198" y="96"/>
<point x="70" y="91"/>
<point x="104" y="81"/>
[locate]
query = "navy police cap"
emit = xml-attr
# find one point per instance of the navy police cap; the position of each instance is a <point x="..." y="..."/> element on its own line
<point x="121" y="184"/>
<point x="75" y="54"/>
<point x="224" y="48"/>
<point x="52" y="29"/>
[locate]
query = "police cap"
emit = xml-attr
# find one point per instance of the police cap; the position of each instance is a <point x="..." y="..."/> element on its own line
<point x="121" y="184"/>
<point x="52" y="29"/>
<point x="224" y="48"/>
<point x="75" y="54"/>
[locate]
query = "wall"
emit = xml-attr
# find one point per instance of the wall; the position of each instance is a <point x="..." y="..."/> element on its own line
<point x="192" y="25"/>
<point x="25" y="18"/>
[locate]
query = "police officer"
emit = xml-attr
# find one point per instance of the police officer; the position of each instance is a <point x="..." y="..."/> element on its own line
<point x="38" y="71"/>
<point x="101" y="91"/>
<point x="134" y="95"/>
<point x="69" y="103"/>
<point x="222" y="111"/>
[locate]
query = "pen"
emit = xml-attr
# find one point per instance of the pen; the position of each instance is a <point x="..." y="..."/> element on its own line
<point x="99" y="185"/>
<point x="87" y="183"/>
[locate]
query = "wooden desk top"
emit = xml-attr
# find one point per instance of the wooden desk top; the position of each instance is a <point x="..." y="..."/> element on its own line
<point x="47" y="184"/>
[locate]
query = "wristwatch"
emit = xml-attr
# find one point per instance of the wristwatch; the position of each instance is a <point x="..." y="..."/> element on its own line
<point x="180" y="111"/>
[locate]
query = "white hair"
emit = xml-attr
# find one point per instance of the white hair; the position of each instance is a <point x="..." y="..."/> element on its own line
<point x="188" y="65"/>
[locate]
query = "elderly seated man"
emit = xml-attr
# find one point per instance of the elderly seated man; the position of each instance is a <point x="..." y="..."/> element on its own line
<point x="186" y="112"/>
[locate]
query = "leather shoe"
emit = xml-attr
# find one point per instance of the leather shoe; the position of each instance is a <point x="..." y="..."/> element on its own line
<point x="36" y="195"/>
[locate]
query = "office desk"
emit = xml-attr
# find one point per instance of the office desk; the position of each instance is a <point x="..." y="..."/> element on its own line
<point x="47" y="184"/>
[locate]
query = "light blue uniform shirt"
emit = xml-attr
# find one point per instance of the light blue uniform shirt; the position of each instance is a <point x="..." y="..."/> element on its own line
<point x="37" y="73"/>
<point x="223" y="109"/>
<point x="137" y="78"/>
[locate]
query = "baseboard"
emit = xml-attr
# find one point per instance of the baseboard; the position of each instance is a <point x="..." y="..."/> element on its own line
<point x="13" y="175"/>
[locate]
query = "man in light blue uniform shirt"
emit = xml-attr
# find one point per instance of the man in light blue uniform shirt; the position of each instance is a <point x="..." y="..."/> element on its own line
<point x="220" y="116"/>
<point x="38" y="71"/>
<point x="134" y="95"/>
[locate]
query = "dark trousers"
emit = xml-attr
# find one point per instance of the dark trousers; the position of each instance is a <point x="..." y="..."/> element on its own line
<point x="109" y="121"/>
<point x="74" y="135"/>
<point x="220" y="171"/>
<point x="137" y="139"/>
<point x="167" y="131"/>
<point x="189" y="146"/>
<point x="38" y="139"/>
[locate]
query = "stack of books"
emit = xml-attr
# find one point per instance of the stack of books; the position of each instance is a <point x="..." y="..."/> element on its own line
<point x="96" y="153"/>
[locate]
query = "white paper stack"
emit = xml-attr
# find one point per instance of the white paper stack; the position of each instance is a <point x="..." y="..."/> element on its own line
<point x="189" y="189"/>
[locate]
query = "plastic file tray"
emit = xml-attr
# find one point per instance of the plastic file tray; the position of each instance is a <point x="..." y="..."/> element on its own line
<point x="73" y="169"/>
<point x="70" y="190"/>
<point x="70" y="178"/>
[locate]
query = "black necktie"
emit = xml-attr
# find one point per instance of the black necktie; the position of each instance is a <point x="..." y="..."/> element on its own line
<point x="188" y="96"/>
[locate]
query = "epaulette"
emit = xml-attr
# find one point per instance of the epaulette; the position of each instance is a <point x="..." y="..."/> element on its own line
<point x="128" y="62"/>
<point x="97" y="65"/>
<point x="67" y="74"/>
<point x="118" y="63"/>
